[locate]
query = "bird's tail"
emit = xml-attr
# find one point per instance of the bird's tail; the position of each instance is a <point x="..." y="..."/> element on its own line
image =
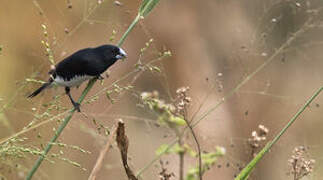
<point x="44" y="86"/>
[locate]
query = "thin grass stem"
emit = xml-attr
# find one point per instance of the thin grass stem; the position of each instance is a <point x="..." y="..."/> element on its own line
<point x="248" y="169"/>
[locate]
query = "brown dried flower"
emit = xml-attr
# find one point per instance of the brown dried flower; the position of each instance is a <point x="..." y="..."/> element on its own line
<point x="182" y="100"/>
<point x="163" y="174"/>
<point x="300" y="163"/>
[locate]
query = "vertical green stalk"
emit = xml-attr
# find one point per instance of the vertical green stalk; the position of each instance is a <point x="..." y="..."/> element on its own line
<point x="247" y="170"/>
<point x="145" y="8"/>
<point x="132" y="25"/>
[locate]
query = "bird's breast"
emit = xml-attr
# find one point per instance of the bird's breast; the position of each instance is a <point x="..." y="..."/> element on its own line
<point x="75" y="81"/>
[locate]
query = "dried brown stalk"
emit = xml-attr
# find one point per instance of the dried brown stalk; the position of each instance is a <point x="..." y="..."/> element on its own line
<point x="123" y="143"/>
<point x="103" y="152"/>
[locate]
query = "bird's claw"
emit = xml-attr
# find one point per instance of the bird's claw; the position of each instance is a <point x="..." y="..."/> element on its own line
<point x="77" y="106"/>
<point x="99" y="77"/>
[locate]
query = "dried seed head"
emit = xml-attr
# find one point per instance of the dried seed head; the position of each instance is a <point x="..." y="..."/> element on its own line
<point x="257" y="137"/>
<point x="263" y="130"/>
<point x="182" y="100"/>
<point x="300" y="163"/>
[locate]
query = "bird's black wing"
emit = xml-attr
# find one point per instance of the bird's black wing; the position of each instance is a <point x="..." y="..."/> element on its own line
<point x="83" y="62"/>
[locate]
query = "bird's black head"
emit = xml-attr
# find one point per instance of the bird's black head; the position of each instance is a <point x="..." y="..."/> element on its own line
<point x="112" y="52"/>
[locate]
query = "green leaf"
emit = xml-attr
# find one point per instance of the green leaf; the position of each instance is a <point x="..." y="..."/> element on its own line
<point x="146" y="7"/>
<point x="177" y="120"/>
<point x="192" y="174"/>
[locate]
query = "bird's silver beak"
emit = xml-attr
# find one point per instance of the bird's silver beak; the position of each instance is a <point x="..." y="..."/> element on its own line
<point x="122" y="54"/>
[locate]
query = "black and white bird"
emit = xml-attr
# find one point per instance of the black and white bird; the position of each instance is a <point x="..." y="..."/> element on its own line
<point x="83" y="65"/>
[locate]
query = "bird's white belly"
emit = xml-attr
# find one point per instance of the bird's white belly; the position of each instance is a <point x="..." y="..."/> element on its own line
<point x="76" y="81"/>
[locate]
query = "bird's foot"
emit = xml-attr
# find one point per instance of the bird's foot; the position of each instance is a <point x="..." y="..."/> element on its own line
<point x="77" y="106"/>
<point x="99" y="77"/>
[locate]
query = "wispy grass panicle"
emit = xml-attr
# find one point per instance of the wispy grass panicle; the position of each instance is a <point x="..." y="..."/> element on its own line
<point x="47" y="45"/>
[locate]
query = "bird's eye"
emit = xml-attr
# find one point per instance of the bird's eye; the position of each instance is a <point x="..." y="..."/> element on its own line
<point x="116" y="51"/>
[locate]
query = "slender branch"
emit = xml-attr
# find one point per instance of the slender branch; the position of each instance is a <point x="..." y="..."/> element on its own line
<point x="198" y="149"/>
<point x="295" y="172"/>
<point x="197" y="143"/>
<point x="103" y="152"/>
<point x="181" y="159"/>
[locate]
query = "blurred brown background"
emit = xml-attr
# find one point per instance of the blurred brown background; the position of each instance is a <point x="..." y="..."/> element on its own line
<point x="215" y="44"/>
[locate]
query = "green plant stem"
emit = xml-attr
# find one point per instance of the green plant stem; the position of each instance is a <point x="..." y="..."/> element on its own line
<point x="198" y="150"/>
<point x="70" y="115"/>
<point x="132" y="25"/>
<point x="247" y="170"/>
<point x="49" y="145"/>
<point x="59" y="131"/>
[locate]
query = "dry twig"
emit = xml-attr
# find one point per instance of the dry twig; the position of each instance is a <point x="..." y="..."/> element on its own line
<point x="123" y="143"/>
<point x="103" y="152"/>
